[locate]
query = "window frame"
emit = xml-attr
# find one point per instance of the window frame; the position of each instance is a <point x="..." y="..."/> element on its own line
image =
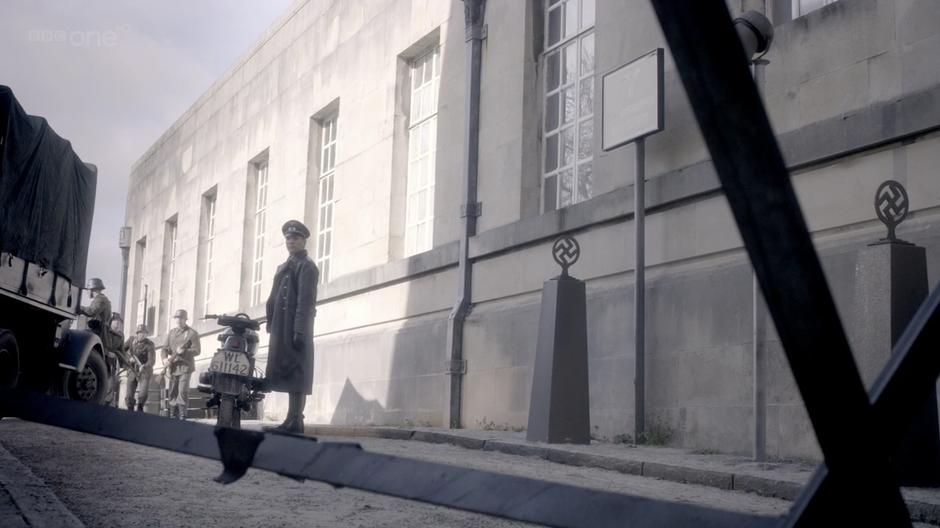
<point x="211" y="201"/>
<point x="326" y="187"/>
<point x="259" y="223"/>
<point x="579" y="119"/>
<point x="796" y="8"/>
<point x="422" y="123"/>
<point x="173" y="232"/>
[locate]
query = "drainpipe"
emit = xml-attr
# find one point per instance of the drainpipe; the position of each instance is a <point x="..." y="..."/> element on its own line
<point x="456" y="365"/>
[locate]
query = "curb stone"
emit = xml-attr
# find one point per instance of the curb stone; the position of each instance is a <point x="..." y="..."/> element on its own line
<point x="921" y="511"/>
<point x="702" y="477"/>
<point x="768" y="487"/>
<point x="37" y="503"/>
<point x="442" y="438"/>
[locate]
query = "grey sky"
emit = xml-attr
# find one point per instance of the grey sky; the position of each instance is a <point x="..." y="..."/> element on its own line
<point x="112" y="75"/>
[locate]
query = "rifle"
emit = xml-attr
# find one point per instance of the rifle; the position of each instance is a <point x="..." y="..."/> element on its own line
<point x="168" y="365"/>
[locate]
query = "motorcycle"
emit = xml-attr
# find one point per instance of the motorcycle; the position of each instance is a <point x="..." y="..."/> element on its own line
<point x="231" y="379"/>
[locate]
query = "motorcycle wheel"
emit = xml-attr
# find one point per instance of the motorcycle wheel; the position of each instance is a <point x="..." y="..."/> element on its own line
<point x="229" y="415"/>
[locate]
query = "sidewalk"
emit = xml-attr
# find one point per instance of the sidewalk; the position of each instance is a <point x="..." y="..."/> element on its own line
<point x="776" y="479"/>
<point x="26" y="501"/>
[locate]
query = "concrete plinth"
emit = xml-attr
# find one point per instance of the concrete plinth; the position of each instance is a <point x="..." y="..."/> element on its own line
<point x="559" y="410"/>
<point x="891" y="283"/>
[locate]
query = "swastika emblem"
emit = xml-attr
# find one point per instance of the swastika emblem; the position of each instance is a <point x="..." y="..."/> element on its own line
<point x="566" y="251"/>
<point x="891" y="205"/>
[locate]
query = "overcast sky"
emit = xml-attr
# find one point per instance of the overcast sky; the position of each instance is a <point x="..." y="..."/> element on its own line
<point x="112" y="75"/>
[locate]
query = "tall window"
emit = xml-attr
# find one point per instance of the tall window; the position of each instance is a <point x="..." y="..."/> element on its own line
<point x="171" y="233"/>
<point x="802" y="7"/>
<point x="422" y="145"/>
<point x="260" y="223"/>
<point x="325" y="209"/>
<point x="568" y="124"/>
<point x="210" y="243"/>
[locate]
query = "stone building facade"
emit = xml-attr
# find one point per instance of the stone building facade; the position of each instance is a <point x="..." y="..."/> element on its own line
<point x="351" y="116"/>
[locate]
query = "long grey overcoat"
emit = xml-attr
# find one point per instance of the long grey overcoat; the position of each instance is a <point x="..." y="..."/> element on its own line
<point x="291" y="308"/>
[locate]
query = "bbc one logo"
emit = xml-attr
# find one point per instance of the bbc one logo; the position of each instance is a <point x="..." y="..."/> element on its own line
<point x="77" y="38"/>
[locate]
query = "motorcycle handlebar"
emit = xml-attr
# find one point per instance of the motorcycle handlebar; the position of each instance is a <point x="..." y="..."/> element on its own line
<point x="241" y="320"/>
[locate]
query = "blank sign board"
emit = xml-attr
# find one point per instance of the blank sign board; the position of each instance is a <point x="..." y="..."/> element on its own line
<point x="632" y="100"/>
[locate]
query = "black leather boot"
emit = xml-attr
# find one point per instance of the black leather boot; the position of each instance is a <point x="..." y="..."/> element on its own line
<point x="298" y="400"/>
<point x="294" y="423"/>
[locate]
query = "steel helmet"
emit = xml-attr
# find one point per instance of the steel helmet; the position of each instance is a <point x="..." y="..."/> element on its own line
<point x="94" y="284"/>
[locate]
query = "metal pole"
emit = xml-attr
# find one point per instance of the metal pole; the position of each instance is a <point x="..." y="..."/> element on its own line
<point x="125" y="256"/>
<point x="758" y="336"/>
<point x="639" y="290"/>
<point x="124" y="242"/>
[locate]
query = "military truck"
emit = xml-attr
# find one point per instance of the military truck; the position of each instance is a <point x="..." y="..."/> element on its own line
<point x="47" y="197"/>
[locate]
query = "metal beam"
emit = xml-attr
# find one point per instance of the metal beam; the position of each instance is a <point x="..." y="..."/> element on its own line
<point x="348" y="465"/>
<point x="898" y="393"/>
<point x="731" y="116"/>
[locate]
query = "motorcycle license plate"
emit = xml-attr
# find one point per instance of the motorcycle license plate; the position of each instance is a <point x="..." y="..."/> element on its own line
<point x="234" y="363"/>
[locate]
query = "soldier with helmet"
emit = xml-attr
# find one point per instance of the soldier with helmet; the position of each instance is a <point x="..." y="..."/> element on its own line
<point x="182" y="346"/>
<point x="115" y="356"/>
<point x="141" y="357"/>
<point x="98" y="312"/>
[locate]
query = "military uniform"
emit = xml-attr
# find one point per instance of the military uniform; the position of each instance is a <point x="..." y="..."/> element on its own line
<point x="142" y="355"/>
<point x="291" y="308"/>
<point x="116" y="356"/>
<point x="99" y="311"/>
<point x="182" y="345"/>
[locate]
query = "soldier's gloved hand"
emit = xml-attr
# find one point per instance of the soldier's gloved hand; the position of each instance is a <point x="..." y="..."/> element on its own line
<point x="267" y="327"/>
<point x="298" y="340"/>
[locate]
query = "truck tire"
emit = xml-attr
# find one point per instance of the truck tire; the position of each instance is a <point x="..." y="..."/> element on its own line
<point x="9" y="360"/>
<point x="91" y="385"/>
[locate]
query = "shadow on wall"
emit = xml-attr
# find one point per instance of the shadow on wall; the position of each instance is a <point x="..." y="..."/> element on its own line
<point x="415" y="376"/>
<point x="352" y="408"/>
<point x="405" y="365"/>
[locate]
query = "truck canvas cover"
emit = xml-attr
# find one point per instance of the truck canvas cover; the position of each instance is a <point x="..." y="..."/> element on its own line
<point x="47" y="194"/>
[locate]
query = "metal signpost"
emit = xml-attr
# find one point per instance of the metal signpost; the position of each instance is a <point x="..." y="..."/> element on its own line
<point x="632" y="108"/>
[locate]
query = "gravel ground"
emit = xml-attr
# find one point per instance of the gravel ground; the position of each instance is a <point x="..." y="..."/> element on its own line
<point x="113" y="483"/>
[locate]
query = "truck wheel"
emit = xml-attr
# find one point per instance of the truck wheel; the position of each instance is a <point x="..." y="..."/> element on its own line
<point x="9" y="360"/>
<point x="89" y="385"/>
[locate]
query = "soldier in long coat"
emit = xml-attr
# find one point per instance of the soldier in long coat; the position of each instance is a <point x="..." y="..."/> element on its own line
<point x="291" y="308"/>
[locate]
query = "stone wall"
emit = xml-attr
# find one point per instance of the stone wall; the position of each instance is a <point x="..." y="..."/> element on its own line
<point x="851" y="90"/>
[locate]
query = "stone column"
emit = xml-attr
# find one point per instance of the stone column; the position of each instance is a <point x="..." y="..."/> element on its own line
<point x="890" y="284"/>
<point x="559" y="411"/>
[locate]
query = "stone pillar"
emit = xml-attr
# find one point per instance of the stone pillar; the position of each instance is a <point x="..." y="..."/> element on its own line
<point x="559" y="411"/>
<point x="890" y="284"/>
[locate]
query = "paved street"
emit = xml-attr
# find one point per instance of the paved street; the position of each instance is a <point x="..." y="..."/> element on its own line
<point x="114" y="483"/>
